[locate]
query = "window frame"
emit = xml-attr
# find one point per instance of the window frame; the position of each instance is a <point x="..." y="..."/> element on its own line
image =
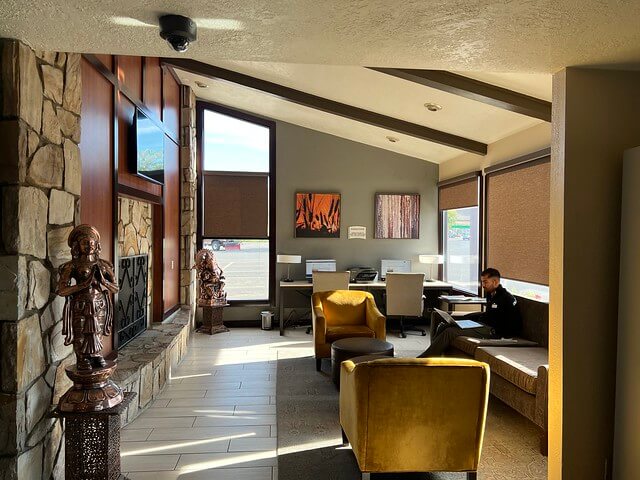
<point x="201" y="107"/>
<point x="481" y="227"/>
<point x="442" y="229"/>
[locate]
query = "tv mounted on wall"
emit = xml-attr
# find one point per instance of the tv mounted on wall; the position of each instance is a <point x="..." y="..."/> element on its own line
<point x="148" y="153"/>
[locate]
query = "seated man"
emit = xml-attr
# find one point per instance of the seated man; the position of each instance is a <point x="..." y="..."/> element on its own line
<point x="501" y="318"/>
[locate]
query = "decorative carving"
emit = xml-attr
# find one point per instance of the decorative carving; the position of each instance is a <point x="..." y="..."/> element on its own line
<point x="212" y="297"/>
<point x="211" y="280"/>
<point x="87" y="283"/>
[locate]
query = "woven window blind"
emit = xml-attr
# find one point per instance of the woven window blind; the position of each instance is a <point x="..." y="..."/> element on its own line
<point x="235" y="206"/>
<point x="459" y="195"/>
<point x="517" y="212"/>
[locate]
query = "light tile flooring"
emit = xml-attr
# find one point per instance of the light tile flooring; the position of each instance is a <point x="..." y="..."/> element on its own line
<point x="217" y="417"/>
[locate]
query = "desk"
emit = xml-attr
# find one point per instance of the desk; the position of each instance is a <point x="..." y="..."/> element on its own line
<point x="454" y="300"/>
<point x="305" y="285"/>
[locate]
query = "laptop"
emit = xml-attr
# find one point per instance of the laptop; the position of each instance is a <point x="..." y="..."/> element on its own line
<point x="463" y="324"/>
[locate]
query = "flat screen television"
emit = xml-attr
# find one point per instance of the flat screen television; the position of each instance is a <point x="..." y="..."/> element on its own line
<point x="149" y="149"/>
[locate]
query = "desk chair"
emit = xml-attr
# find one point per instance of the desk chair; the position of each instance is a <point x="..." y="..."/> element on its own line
<point x="325" y="281"/>
<point x="405" y="298"/>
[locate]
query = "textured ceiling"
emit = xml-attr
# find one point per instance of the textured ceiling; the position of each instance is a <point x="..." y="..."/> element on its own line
<point x="502" y="36"/>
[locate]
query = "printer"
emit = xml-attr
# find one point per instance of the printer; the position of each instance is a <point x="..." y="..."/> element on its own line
<point x="362" y="274"/>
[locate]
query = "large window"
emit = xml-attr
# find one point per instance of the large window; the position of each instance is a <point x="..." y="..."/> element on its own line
<point x="460" y="248"/>
<point x="237" y="191"/>
<point x="458" y="203"/>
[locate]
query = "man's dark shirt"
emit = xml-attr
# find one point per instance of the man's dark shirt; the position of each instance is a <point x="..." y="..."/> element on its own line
<point x="502" y="314"/>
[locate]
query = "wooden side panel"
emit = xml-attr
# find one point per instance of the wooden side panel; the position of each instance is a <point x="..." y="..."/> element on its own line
<point x="152" y="88"/>
<point x="126" y="118"/>
<point x="171" y="253"/>
<point x="171" y="104"/>
<point x="96" y="153"/>
<point x="130" y="74"/>
<point x="158" y="262"/>
<point x="107" y="60"/>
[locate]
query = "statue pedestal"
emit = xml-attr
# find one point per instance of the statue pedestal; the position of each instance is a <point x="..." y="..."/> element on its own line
<point x="212" y="320"/>
<point x="92" y="442"/>
<point x="92" y="390"/>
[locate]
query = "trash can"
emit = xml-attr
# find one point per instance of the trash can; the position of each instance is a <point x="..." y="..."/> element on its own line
<point x="267" y="318"/>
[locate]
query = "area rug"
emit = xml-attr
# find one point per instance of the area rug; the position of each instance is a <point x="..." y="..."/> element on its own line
<point x="309" y="439"/>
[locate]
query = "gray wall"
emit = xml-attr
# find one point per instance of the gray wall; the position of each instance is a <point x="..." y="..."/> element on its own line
<point x="316" y="162"/>
<point x="310" y="161"/>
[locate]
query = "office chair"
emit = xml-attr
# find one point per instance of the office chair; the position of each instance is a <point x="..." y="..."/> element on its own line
<point x="325" y="281"/>
<point x="405" y="298"/>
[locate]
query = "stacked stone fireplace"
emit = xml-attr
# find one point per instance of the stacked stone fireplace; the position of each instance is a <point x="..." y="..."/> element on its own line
<point x="135" y="242"/>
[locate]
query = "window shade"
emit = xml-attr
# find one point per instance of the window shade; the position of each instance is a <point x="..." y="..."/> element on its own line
<point x="461" y="194"/>
<point x="517" y="210"/>
<point x="235" y="206"/>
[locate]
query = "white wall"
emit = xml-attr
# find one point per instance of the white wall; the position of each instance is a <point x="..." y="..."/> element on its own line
<point x="521" y="143"/>
<point x="626" y="460"/>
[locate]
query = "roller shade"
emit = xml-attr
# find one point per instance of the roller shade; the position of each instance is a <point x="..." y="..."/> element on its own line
<point x="460" y="194"/>
<point x="235" y="206"/>
<point x="517" y="212"/>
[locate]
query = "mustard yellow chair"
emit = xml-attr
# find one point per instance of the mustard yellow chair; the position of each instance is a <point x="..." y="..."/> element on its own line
<point x="414" y="414"/>
<point x="340" y="314"/>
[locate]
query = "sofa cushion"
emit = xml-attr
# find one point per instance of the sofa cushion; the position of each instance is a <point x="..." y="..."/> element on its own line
<point x="518" y="365"/>
<point x="468" y="345"/>
<point x="346" y="331"/>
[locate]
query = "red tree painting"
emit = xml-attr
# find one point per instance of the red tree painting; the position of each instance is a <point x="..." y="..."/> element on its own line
<point x="318" y="215"/>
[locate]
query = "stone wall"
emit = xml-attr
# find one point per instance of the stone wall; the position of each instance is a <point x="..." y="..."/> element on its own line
<point x="135" y="237"/>
<point x="188" y="204"/>
<point x="40" y="175"/>
<point x="145" y="364"/>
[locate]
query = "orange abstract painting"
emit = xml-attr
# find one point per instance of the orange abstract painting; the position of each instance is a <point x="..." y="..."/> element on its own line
<point x="318" y="215"/>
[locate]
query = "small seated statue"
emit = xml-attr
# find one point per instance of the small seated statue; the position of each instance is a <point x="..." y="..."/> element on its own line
<point x="211" y="278"/>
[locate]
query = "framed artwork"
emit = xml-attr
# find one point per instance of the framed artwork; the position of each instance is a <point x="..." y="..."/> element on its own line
<point x="318" y="215"/>
<point x="397" y="215"/>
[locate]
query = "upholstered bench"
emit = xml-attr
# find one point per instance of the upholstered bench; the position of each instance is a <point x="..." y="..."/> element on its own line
<point x="519" y="366"/>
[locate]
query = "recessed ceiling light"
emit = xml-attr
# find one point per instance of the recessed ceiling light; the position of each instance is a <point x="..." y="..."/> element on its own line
<point x="433" y="107"/>
<point x="201" y="84"/>
<point x="393" y="139"/>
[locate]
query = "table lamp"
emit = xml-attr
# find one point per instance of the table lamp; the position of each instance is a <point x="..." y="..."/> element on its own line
<point x="431" y="260"/>
<point x="288" y="259"/>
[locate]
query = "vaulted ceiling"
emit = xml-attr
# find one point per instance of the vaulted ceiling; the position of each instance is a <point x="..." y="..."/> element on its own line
<point x="373" y="91"/>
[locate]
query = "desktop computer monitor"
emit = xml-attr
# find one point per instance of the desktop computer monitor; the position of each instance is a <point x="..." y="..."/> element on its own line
<point x="395" y="266"/>
<point x="319" y="266"/>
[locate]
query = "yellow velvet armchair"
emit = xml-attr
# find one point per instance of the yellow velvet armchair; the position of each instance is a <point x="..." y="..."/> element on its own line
<point x="414" y="414"/>
<point x="340" y="314"/>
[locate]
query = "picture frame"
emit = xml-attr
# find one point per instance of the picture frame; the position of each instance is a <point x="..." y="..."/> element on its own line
<point x="397" y="216"/>
<point x="317" y="215"/>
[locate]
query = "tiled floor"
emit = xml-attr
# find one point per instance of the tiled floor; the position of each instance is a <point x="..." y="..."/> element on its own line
<point x="217" y="418"/>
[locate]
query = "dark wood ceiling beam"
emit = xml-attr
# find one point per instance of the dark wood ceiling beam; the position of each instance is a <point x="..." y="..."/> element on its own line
<point x="328" y="106"/>
<point x="474" y="90"/>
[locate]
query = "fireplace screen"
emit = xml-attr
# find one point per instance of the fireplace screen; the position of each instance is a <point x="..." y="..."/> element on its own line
<point x="131" y="315"/>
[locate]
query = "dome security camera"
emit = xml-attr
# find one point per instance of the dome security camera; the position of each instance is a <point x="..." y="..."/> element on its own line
<point x="179" y="31"/>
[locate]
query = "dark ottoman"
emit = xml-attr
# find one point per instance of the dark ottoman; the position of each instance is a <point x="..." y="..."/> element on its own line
<point x="348" y="348"/>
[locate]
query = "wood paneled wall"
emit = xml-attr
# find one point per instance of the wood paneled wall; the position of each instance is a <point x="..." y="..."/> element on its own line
<point x="113" y="87"/>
